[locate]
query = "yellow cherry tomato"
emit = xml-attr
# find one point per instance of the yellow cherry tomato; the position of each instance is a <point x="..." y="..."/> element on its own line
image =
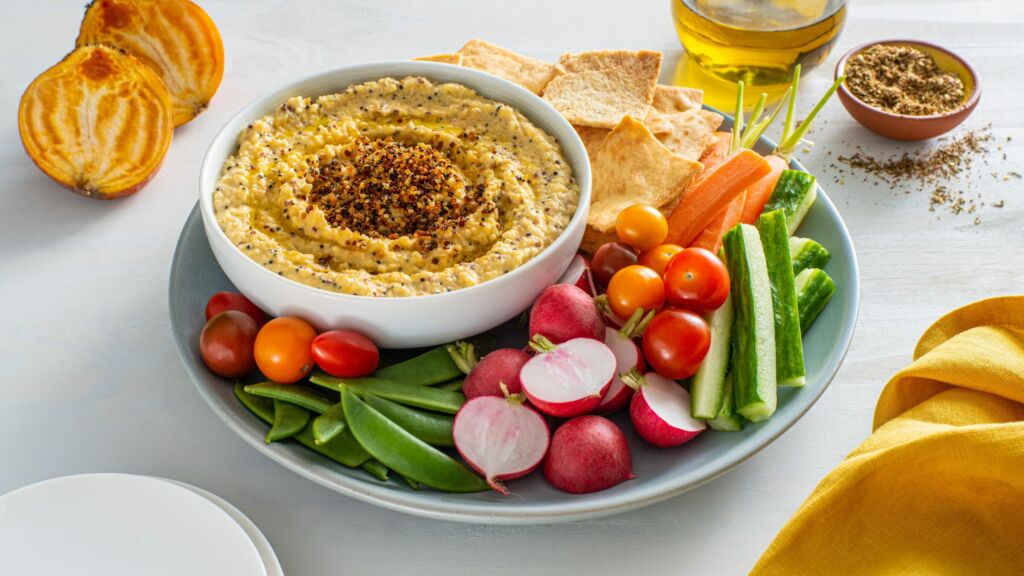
<point x="283" y="349"/>
<point x="641" y="226"/>
<point x="657" y="258"/>
<point x="635" y="287"/>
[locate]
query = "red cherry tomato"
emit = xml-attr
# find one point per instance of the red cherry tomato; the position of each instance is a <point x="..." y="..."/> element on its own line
<point x="283" y="349"/>
<point x="226" y="344"/>
<point x="222" y="301"/>
<point x="345" y="354"/>
<point x="609" y="259"/>
<point x="697" y="280"/>
<point x="657" y="258"/>
<point x="675" y="343"/>
<point x="635" y="287"/>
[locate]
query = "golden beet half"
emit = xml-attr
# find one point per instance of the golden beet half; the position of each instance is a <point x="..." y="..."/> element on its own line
<point x="98" y="122"/>
<point x="175" y="38"/>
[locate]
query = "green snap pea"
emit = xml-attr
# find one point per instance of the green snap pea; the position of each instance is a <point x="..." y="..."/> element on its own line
<point x="427" y="369"/>
<point x="376" y="469"/>
<point x="404" y="453"/>
<point x="262" y="407"/>
<point x="329" y="424"/>
<point x="291" y="393"/>
<point x="289" y="420"/>
<point x="409" y="394"/>
<point x="453" y="386"/>
<point x="434" y="429"/>
<point x="412" y="483"/>
<point x="343" y="448"/>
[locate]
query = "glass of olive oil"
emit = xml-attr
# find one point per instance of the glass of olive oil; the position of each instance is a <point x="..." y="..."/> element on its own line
<point x="758" y="41"/>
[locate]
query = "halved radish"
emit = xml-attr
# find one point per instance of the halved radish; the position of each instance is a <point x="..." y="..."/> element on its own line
<point x="98" y="122"/>
<point x="567" y="379"/>
<point x="627" y="357"/>
<point x="578" y="274"/>
<point x="563" y="312"/>
<point x="175" y="38"/>
<point x="501" y="438"/>
<point x="660" y="410"/>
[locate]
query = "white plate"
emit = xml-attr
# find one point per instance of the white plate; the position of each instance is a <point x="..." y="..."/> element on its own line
<point x="270" y="562"/>
<point x="120" y="525"/>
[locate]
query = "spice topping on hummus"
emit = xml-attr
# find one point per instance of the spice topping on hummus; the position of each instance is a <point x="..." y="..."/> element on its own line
<point x="395" y="188"/>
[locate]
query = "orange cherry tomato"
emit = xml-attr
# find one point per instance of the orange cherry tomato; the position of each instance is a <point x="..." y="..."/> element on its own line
<point x="635" y="287"/>
<point x="283" y="349"/>
<point x="641" y="226"/>
<point x="697" y="280"/>
<point x="657" y="258"/>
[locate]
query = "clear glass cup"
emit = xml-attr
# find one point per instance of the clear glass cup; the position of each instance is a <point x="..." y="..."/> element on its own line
<point x="758" y="41"/>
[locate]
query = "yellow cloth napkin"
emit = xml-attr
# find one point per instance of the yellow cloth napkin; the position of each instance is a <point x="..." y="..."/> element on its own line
<point x="938" y="488"/>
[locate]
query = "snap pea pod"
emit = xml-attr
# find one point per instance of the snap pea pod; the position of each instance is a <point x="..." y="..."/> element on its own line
<point x="262" y="407"/>
<point x="343" y="448"/>
<point x="432" y="367"/>
<point x="292" y="394"/>
<point x="434" y="429"/>
<point x="289" y="420"/>
<point x="409" y="394"/>
<point x="453" y="386"/>
<point x="412" y="483"/>
<point x="376" y="469"/>
<point x="329" y="424"/>
<point x="399" y="450"/>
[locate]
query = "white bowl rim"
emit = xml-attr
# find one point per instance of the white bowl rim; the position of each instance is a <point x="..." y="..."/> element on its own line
<point x="572" y="147"/>
<point x="444" y="506"/>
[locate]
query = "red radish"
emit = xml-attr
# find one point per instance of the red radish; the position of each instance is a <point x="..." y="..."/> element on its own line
<point x="497" y="368"/>
<point x="660" y="410"/>
<point x="567" y="379"/>
<point x="588" y="454"/>
<point x="501" y="438"/>
<point x="578" y="274"/>
<point x="627" y="357"/>
<point x="563" y="312"/>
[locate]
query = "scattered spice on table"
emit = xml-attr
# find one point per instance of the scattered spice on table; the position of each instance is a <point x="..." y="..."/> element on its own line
<point x="903" y="80"/>
<point x="942" y="171"/>
<point x="952" y="157"/>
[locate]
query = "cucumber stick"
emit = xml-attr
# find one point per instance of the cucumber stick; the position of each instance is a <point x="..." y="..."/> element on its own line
<point x="707" y="388"/>
<point x="789" y="349"/>
<point x="807" y="253"/>
<point x="754" y="385"/>
<point x="728" y="420"/>
<point x="814" y="289"/>
<point x="794" y="193"/>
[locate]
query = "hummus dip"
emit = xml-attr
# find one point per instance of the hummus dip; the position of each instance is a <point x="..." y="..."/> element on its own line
<point x="395" y="188"/>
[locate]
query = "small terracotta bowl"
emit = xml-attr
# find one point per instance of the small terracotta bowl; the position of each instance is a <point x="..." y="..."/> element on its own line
<point x="902" y="126"/>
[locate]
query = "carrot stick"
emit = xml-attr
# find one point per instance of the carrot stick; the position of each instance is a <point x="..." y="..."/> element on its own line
<point x="711" y="192"/>
<point x="759" y="192"/>
<point x="711" y="236"/>
<point x="718" y="152"/>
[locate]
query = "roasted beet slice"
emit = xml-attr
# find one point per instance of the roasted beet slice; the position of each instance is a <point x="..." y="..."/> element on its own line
<point x="98" y="122"/>
<point x="175" y="38"/>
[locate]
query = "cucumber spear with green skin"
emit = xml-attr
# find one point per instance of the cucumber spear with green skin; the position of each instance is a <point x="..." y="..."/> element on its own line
<point x="814" y="290"/>
<point x="807" y="253"/>
<point x="789" y="350"/>
<point x="754" y="383"/>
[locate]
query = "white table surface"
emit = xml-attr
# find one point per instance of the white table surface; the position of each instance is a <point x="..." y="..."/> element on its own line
<point x="91" y="381"/>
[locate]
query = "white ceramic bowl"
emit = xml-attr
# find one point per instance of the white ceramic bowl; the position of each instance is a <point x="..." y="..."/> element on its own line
<point x="417" y="320"/>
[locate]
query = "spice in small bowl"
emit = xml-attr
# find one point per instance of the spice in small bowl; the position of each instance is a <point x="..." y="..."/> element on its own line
<point x="907" y="90"/>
